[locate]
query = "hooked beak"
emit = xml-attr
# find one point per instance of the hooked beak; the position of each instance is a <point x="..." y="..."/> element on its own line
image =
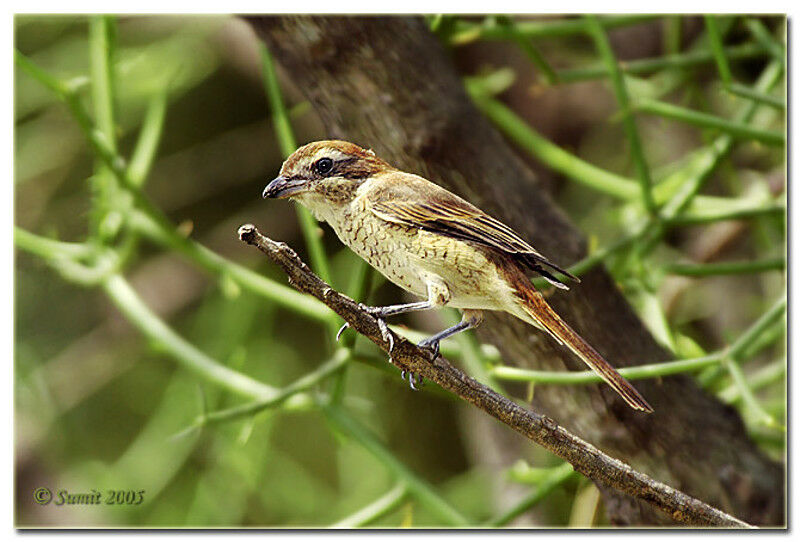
<point x="281" y="187"/>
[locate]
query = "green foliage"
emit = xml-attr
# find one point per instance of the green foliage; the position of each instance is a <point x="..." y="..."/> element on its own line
<point x="238" y="409"/>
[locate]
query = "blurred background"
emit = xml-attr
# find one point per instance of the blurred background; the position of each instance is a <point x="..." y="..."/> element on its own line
<point x="105" y="395"/>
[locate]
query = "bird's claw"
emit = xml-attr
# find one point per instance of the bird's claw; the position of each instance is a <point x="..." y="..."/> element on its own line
<point x="414" y="380"/>
<point x="377" y="313"/>
<point x="386" y="334"/>
<point x="341" y="330"/>
<point x="432" y="346"/>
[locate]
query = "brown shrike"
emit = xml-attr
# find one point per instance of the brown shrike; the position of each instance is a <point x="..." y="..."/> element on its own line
<point x="431" y="243"/>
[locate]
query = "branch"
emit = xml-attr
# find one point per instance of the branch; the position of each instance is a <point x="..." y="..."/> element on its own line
<point x="542" y="430"/>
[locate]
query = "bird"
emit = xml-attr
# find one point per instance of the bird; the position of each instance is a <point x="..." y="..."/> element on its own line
<point x="433" y="244"/>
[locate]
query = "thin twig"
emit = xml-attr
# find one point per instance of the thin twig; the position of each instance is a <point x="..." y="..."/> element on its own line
<point x="584" y="457"/>
<point x="375" y="510"/>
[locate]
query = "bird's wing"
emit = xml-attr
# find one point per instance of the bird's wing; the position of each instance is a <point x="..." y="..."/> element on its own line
<point x="448" y="215"/>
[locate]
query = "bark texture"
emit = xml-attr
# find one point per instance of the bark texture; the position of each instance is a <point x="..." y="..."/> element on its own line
<point x="387" y="84"/>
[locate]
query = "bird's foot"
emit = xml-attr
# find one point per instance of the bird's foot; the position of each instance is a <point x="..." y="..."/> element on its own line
<point x="414" y="380"/>
<point x="432" y="345"/>
<point x="379" y="315"/>
<point x="387" y="335"/>
<point x="377" y="312"/>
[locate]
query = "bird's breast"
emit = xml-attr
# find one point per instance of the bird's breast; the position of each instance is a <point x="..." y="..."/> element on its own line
<point x="410" y="257"/>
<point x="385" y="246"/>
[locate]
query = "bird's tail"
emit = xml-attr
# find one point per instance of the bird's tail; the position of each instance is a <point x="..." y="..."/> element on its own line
<point x="542" y="315"/>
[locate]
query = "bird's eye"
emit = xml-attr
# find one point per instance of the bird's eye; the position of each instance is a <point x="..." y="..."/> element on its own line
<point x="324" y="166"/>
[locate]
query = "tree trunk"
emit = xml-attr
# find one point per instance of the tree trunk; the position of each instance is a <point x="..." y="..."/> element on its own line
<point x="387" y="84"/>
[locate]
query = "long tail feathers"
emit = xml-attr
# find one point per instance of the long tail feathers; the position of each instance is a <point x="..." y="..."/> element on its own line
<point x="537" y="308"/>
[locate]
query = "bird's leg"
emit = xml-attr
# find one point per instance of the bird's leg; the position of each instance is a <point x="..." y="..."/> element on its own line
<point x="394" y="310"/>
<point x="432" y="342"/>
<point x="438" y="295"/>
<point x="380" y="313"/>
<point x="470" y="319"/>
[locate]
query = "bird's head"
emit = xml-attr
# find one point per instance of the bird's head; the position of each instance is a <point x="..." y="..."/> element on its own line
<point x="325" y="172"/>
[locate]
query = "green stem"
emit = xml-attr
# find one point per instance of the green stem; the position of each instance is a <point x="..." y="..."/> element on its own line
<point x="61" y="89"/>
<point x="150" y="221"/>
<point x="339" y="360"/>
<point x="760" y="97"/>
<point x="149" y="136"/>
<point x="672" y="34"/>
<point x="416" y="486"/>
<point x="558" y="476"/>
<point x="529" y="50"/>
<point x="286" y="140"/>
<point x="629" y="122"/>
<point x="704" y="120"/>
<point x="375" y="510"/>
<point x="761" y="415"/>
<point x="50" y="248"/>
<point x="650" y="65"/>
<point x="465" y="31"/>
<point x="435" y="22"/>
<point x="771" y="334"/>
<point x="769" y="374"/>
<point x="760" y="335"/>
<point x="185" y="353"/>
<point x="718" y="49"/>
<point x="356" y="289"/>
<point x="63" y="258"/>
<point x="491" y="83"/>
<point x="474" y="361"/>
<point x="653" y="370"/>
<point x="598" y="256"/>
<point x="725" y="268"/>
<point x="691" y="178"/>
<point x="762" y="36"/>
<point x="100" y="32"/>
<point x="104" y="220"/>
<point x="100" y="145"/>
<point x="280" y="117"/>
<point x="578" y="170"/>
<point x="551" y="154"/>
<point x="736" y="211"/>
<point x="62" y="255"/>
<point x="766" y="321"/>
<point x="284" y="296"/>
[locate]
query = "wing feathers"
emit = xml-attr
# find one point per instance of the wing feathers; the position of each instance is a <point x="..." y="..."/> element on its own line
<point x="459" y="220"/>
